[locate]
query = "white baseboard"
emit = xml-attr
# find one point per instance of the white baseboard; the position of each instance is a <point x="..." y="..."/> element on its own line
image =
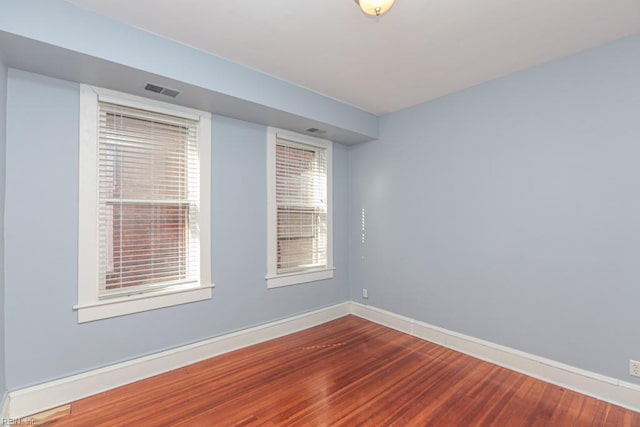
<point x="31" y="400"/>
<point x="591" y="384"/>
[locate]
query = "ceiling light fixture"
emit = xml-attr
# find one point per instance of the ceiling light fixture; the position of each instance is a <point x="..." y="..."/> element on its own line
<point x="375" y="7"/>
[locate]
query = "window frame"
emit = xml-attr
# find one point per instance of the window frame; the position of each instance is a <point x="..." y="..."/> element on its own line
<point x="90" y="306"/>
<point x="273" y="278"/>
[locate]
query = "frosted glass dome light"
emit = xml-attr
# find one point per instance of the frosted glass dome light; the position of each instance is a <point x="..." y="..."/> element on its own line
<point x="375" y="7"/>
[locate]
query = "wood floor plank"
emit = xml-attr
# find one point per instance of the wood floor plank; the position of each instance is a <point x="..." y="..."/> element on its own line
<point x="348" y="372"/>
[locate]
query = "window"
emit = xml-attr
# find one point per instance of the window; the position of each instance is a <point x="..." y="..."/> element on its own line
<point x="299" y="209"/>
<point x="144" y="214"/>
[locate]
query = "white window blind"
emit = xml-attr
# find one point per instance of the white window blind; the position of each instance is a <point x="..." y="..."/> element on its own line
<point x="148" y="198"/>
<point x="301" y="200"/>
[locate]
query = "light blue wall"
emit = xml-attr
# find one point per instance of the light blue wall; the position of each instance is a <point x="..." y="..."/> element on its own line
<point x="510" y="211"/>
<point x="88" y="35"/>
<point x="3" y="115"/>
<point x="43" y="338"/>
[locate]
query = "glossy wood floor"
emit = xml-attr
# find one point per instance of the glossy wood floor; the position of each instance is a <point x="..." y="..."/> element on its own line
<point x="347" y="372"/>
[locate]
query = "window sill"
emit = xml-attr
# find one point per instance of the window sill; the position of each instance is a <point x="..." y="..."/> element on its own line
<point x="140" y="302"/>
<point x="298" y="278"/>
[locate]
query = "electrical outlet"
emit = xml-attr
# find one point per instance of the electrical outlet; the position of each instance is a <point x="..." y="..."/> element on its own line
<point x="634" y="368"/>
<point x="365" y="294"/>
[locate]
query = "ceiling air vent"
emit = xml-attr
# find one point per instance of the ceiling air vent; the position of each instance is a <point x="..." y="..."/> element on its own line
<point x="315" y="131"/>
<point x="162" y="90"/>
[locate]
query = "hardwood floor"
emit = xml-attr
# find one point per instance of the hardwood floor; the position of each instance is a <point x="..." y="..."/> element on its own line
<point x="347" y="372"/>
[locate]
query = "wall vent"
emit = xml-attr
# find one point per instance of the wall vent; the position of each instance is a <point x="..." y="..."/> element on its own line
<point x="162" y="90"/>
<point x="315" y="131"/>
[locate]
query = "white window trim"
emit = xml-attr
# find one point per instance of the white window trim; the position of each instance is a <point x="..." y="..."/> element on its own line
<point x="275" y="280"/>
<point x="89" y="306"/>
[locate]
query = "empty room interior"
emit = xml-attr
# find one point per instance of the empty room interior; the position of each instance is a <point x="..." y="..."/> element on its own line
<point x="420" y="212"/>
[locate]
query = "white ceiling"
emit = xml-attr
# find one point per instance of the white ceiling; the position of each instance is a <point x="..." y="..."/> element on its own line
<point x="420" y="50"/>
